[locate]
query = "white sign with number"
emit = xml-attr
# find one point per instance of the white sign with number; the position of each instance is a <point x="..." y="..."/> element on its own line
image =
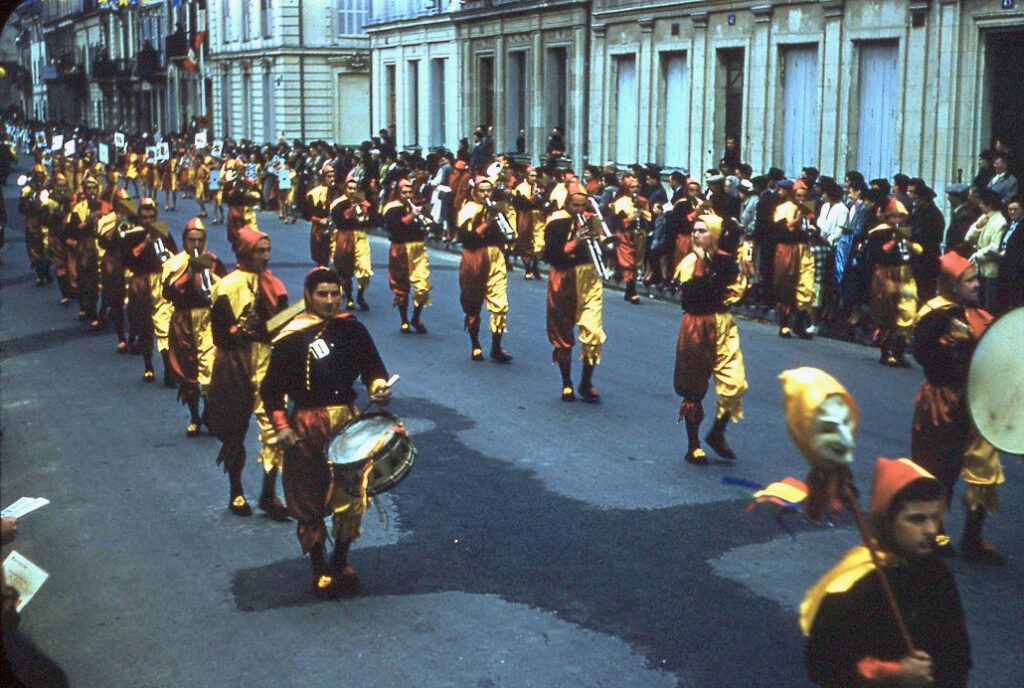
<point x="104" y="154"/>
<point x="57" y="143"/>
<point x="214" y="180"/>
<point x="217" y="149"/>
<point x="150" y="154"/>
<point x="69" y="148"/>
<point x="200" y="138"/>
<point x="163" y="152"/>
<point x="119" y="140"/>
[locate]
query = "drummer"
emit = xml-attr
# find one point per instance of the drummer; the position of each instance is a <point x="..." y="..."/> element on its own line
<point x="944" y="439"/>
<point x="316" y="359"/>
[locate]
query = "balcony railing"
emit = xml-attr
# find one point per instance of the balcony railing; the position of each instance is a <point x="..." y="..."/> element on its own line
<point x="177" y="46"/>
<point x="111" y="70"/>
<point x="149" y="65"/>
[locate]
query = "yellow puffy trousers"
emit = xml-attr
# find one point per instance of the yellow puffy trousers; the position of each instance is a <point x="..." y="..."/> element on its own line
<point x="496" y="297"/>
<point x="982" y="471"/>
<point x="162" y="311"/>
<point x="589" y="305"/>
<point x="363" y="266"/>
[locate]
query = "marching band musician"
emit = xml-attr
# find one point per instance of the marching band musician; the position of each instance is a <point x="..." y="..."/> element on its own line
<point x="575" y="296"/>
<point x="709" y="343"/>
<point x="243" y="301"/>
<point x="188" y="278"/>
<point x="317" y="211"/>
<point x="889" y="254"/>
<point x="90" y="217"/>
<point x="113" y="280"/>
<point x="528" y="200"/>
<point x="37" y="232"/>
<point x="351" y="215"/>
<point x="944" y="439"/>
<point x="55" y="213"/>
<point x="144" y="249"/>
<point x="628" y="214"/>
<point x="240" y="195"/>
<point x="316" y="359"/>
<point x="483" y="277"/>
<point x="408" y="267"/>
<point x="793" y="272"/>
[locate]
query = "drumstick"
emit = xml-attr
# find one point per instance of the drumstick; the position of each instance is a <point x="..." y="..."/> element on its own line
<point x="390" y="382"/>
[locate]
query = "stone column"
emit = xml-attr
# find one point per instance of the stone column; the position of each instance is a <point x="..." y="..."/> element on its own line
<point x="539" y="126"/>
<point x="918" y="73"/>
<point x="580" y="82"/>
<point x="599" y="102"/>
<point x="759" y="144"/>
<point x="946" y="162"/>
<point x="500" y="144"/>
<point x="831" y="158"/>
<point x="702" y="70"/>
<point x="645" y="89"/>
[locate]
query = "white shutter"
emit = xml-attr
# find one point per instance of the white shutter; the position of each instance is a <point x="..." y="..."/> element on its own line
<point x="437" y="91"/>
<point x="677" y="93"/>
<point x="800" y="109"/>
<point x="876" y="123"/>
<point x="626" y="125"/>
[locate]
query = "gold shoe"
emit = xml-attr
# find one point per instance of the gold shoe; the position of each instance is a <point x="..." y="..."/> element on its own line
<point x="477" y="355"/>
<point x="192" y="429"/>
<point x="148" y="376"/>
<point x="405" y="328"/>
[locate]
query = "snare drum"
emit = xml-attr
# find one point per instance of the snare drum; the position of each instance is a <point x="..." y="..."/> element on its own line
<point x="378" y="438"/>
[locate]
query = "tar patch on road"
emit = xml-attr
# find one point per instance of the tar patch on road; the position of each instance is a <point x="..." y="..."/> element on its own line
<point x="481" y="526"/>
<point x="18" y="346"/>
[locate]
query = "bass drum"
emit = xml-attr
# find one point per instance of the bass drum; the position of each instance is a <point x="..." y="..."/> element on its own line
<point x="379" y="437"/>
<point x="995" y="384"/>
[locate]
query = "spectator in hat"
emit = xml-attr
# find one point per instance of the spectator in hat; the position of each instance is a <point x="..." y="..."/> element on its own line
<point x="963" y="215"/>
<point x="985" y="169"/>
<point x="1003" y="183"/>
<point x="926" y="226"/>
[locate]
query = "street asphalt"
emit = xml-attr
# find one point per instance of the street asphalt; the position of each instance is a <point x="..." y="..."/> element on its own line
<point x="535" y="543"/>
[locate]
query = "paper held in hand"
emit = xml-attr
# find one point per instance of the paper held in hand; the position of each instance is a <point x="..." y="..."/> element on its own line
<point x="24" y="505"/>
<point x="24" y="576"/>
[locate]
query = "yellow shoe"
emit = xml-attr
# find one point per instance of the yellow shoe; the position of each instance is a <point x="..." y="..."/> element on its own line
<point x="192" y="429"/>
<point x="405" y="328"/>
<point x="477" y="355"/>
<point x="568" y="394"/>
<point x="148" y="376"/>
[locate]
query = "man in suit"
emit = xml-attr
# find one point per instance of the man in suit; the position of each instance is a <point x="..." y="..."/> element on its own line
<point x="1003" y="183"/>
<point x="1010" y="283"/>
<point x="963" y="216"/>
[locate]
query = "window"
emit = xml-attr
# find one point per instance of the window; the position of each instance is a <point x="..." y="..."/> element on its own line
<point x="245" y="20"/>
<point x="352" y="14"/>
<point x="626" y="110"/>
<point x="412" y="96"/>
<point x="675" y="109"/>
<point x="267" y="18"/>
<point x="485" y="77"/>
<point x="437" y="86"/>
<point x="225" y="15"/>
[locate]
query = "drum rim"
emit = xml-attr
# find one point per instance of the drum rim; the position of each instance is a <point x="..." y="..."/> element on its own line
<point x="350" y="422"/>
<point x="1007" y="322"/>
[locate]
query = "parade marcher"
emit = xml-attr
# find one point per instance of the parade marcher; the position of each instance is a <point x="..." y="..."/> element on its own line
<point x="350" y="214"/>
<point x="55" y="213"/>
<point x="90" y="218"/>
<point x="889" y="254"/>
<point x="793" y="267"/>
<point x="243" y="301"/>
<point x="241" y="196"/>
<point x="853" y="638"/>
<point x="944" y="439"/>
<point x="316" y="359"/>
<point x="629" y="215"/>
<point x="37" y="231"/>
<point x="482" y="272"/>
<point x="408" y="267"/>
<point x="201" y="178"/>
<point x="317" y="211"/>
<point x="144" y="250"/>
<point x="113" y="279"/>
<point x="188" y="278"/>
<point x="575" y="295"/>
<point x="709" y="342"/>
<point x="528" y="200"/>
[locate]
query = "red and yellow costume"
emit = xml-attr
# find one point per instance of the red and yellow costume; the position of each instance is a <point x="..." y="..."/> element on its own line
<point x="190" y="339"/>
<point x="793" y="271"/>
<point x="113" y="279"/>
<point x="628" y="212"/>
<point x="241" y="195"/>
<point x="37" y="222"/>
<point x="889" y="254"/>
<point x="351" y="250"/>
<point x="318" y="203"/>
<point x="709" y="342"/>
<point x="408" y="266"/>
<point x="944" y="439"/>
<point x="528" y="200"/>
<point x="143" y="252"/>
<point x="242" y="303"/>
<point x="89" y="220"/>
<point x="575" y="299"/>
<point x="483" y="276"/>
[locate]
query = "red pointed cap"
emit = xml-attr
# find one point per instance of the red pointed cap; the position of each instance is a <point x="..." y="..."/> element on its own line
<point x="891" y="476"/>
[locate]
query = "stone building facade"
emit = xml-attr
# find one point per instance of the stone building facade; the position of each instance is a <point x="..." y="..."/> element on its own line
<point x="291" y="68"/>
<point x="894" y="85"/>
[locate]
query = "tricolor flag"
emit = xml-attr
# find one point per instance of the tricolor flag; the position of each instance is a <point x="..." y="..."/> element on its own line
<point x="191" y="61"/>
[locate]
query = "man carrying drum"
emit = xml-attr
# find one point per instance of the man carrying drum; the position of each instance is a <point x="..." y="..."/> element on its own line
<point x="316" y="359"/>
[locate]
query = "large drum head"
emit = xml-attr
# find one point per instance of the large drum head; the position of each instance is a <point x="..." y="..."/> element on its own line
<point x="377" y="436"/>
<point x="995" y="384"/>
